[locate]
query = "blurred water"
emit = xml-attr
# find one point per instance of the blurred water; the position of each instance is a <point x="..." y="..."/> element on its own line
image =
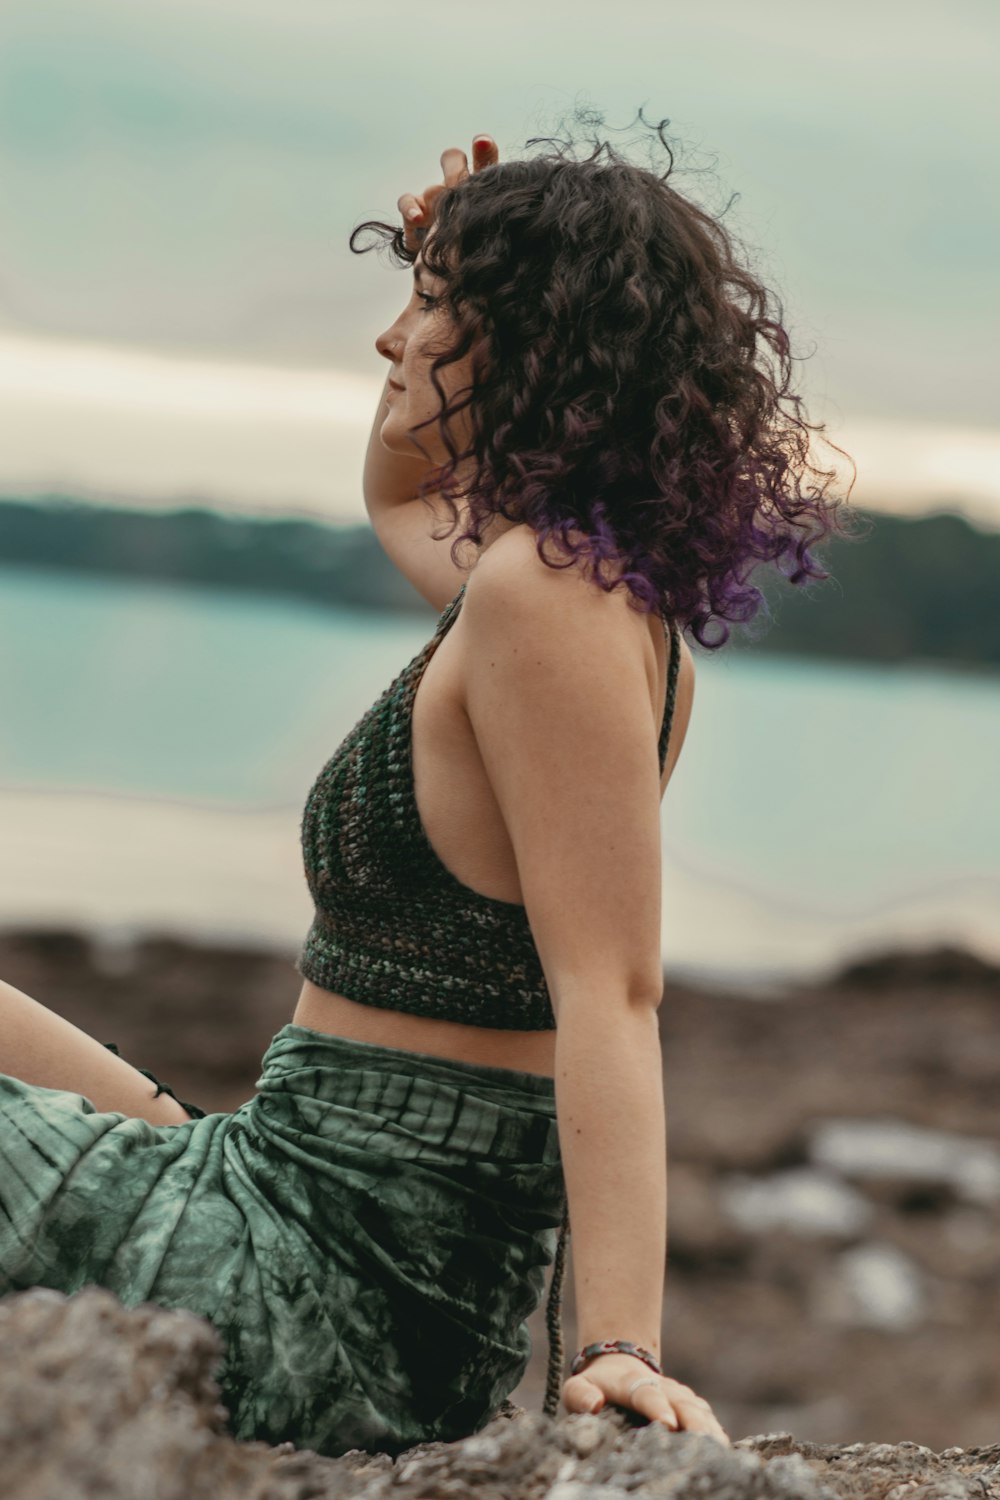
<point x="815" y="805"/>
<point x="190" y="694"/>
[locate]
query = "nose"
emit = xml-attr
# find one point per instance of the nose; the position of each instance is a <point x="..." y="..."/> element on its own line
<point x="389" y="345"/>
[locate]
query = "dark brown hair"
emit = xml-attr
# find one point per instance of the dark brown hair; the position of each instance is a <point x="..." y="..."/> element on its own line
<point x="631" y="382"/>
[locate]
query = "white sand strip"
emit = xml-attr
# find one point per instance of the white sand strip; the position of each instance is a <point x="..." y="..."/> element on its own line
<point x="143" y="428"/>
<point x="121" y="866"/>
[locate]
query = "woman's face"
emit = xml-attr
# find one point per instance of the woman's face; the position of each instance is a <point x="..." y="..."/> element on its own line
<point x="422" y="328"/>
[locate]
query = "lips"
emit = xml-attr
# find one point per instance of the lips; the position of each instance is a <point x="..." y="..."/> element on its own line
<point x="396" y="386"/>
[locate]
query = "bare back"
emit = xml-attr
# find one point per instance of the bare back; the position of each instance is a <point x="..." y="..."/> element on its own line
<point x="464" y="825"/>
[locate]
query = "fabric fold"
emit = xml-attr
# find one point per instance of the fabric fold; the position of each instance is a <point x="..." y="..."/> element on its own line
<point x="368" y="1233"/>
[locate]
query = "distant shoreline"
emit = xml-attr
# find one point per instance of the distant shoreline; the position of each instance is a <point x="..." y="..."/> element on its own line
<point x="914" y="590"/>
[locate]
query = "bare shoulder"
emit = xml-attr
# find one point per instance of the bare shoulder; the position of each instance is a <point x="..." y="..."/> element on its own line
<point x="560" y="627"/>
<point x="513" y="584"/>
<point x="512" y="590"/>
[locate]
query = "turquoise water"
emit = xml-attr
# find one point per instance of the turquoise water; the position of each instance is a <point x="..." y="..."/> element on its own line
<point x="819" y="786"/>
<point x="189" y="694"/>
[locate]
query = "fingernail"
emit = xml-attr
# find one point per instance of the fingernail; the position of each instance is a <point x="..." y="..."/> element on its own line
<point x="413" y="213"/>
<point x="595" y="1405"/>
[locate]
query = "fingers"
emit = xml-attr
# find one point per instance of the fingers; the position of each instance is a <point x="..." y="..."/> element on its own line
<point x="652" y="1401"/>
<point x="454" y="165"/>
<point x="485" y="152"/>
<point x="417" y="209"/>
<point x="663" y="1400"/>
<point x="412" y="210"/>
<point x="417" y="213"/>
<point x="694" y="1411"/>
<point x="581" y="1394"/>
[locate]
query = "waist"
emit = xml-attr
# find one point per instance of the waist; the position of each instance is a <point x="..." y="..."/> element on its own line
<point x="481" y="976"/>
<point x="523" y="1051"/>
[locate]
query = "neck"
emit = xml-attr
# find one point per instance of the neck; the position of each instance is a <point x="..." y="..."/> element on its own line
<point x="496" y="527"/>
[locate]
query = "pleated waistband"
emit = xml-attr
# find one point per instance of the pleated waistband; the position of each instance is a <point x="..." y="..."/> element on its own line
<point x="468" y="1107"/>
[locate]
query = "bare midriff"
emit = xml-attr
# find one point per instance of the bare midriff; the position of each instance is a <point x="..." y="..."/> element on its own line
<point x="525" y="1051"/>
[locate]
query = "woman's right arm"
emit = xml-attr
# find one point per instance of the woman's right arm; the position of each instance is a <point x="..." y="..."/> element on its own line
<point x="402" y="522"/>
<point x="405" y="524"/>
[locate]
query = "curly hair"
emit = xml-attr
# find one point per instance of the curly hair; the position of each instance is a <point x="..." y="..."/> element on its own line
<point x="629" y="384"/>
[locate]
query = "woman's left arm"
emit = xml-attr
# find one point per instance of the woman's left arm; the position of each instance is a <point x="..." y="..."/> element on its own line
<point x="557" y="694"/>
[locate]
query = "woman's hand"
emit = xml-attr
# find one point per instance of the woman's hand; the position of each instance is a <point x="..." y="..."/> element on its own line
<point x="417" y="209"/>
<point x="608" y="1377"/>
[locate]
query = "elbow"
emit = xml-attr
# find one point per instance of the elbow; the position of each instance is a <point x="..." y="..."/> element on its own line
<point x="646" y="994"/>
<point x="638" y="995"/>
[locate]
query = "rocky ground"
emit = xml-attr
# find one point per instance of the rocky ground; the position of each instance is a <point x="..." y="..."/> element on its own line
<point x="99" y="1402"/>
<point x="833" y="1267"/>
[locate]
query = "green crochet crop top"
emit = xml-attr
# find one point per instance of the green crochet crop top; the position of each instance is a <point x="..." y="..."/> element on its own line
<point x="393" y="927"/>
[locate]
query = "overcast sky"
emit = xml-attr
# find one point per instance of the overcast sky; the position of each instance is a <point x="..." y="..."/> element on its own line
<point x="184" y="177"/>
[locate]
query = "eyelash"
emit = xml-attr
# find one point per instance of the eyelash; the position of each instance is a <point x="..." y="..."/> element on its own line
<point x="427" y="300"/>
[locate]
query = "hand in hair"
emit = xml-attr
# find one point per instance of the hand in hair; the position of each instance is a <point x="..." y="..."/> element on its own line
<point x="417" y="209"/>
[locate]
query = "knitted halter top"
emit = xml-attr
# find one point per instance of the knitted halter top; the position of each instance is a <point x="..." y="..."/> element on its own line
<point x="393" y="927"/>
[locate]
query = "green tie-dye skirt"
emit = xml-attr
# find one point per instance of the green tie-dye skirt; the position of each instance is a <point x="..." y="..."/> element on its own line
<point x="368" y="1233"/>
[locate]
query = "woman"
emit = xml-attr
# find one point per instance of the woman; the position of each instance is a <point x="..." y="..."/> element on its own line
<point x="474" y="1058"/>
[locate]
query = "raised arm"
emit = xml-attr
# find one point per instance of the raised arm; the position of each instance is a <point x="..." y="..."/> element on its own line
<point x="404" y="525"/>
<point x="558" y="697"/>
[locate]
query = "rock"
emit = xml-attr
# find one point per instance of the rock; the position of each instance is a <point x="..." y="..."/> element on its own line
<point x="801" y="1199"/>
<point x="897" y="1149"/>
<point x="932" y="967"/>
<point x="94" y="1397"/>
<point x="871" y="1286"/>
<point x="103" y="1402"/>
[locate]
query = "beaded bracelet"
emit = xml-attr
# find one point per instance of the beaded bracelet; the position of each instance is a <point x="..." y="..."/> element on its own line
<point x="617" y="1346"/>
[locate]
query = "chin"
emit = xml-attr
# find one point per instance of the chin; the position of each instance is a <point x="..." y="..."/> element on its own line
<point x="393" y="433"/>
